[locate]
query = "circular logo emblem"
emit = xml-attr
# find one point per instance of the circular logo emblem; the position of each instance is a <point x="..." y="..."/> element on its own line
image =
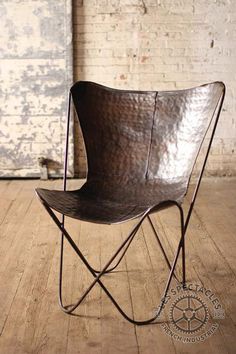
<point x="189" y="314"/>
<point x="192" y="313"/>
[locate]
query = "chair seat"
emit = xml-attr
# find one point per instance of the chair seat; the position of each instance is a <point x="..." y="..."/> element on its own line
<point x="82" y="205"/>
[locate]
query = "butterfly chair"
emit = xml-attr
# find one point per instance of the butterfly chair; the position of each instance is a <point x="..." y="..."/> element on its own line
<point x="141" y="149"/>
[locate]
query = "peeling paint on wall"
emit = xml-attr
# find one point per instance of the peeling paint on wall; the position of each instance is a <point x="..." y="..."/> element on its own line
<point x="35" y="76"/>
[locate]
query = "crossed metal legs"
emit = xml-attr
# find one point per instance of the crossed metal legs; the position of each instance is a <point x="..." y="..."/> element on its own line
<point x="124" y="247"/>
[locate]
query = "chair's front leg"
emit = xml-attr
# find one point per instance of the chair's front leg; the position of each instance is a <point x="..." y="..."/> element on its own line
<point x="71" y="308"/>
<point x="183" y="264"/>
<point x="77" y="250"/>
<point x="161" y="246"/>
<point x="180" y="245"/>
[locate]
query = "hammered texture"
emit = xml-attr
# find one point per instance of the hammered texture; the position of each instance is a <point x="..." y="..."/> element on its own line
<point x="141" y="147"/>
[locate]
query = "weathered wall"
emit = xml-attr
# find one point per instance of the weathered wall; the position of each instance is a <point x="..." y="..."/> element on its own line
<point x="35" y="73"/>
<point x="160" y="44"/>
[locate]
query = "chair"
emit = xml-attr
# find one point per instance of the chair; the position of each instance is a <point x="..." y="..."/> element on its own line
<point x="141" y="149"/>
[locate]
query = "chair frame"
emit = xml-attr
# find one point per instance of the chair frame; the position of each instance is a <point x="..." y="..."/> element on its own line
<point x="97" y="274"/>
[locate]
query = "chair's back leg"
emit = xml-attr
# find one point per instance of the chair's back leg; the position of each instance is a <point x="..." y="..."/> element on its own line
<point x="64" y="188"/>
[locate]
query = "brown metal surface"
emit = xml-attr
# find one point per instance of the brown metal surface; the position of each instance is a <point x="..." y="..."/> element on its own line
<point x="141" y="148"/>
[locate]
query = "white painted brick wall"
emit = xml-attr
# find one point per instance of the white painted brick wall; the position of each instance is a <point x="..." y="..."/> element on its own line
<point x="35" y="74"/>
<point x="160" y="45"/>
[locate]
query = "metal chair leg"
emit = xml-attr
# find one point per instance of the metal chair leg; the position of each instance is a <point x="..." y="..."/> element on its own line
<point x="129" y="243"/>
<point x="70" y="309"/>
<point x="161" y="246"/>
<point x="76" y="249"/>
<point x="183" y="264"/>
<point x="119" y="260"/>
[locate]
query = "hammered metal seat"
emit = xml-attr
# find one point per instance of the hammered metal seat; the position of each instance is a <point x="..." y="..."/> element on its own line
<point x="141" y="149"/>
<point x="84" y="205"/>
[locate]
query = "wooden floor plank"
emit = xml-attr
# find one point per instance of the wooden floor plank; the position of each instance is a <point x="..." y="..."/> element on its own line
<point x="84" y="327"/>
<point x="145" y="295"/>
<point x="84" y="332"/>
<point x="31" y="260"/>
<point x="9" y="192"/>
<point x="219" y="219"/>
<point x="122" y="337"/>
<point x="30" y="318"/>
<point x="5" y="202"/>
<point x="51" y="331"/>
<point x="97" y="333"/>
<point x="16" y="236"/>
<point x="199" y="264"/>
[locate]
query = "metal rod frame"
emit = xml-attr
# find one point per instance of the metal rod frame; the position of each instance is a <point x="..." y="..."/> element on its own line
<point x="121" y="251"/>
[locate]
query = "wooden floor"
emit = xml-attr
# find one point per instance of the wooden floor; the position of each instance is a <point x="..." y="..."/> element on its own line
<point x="30" y="318"/>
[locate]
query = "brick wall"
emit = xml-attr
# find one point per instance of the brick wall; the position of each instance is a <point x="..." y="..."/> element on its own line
<point x="160" y="44"/>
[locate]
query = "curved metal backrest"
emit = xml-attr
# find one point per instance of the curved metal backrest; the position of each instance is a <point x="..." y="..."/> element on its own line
<point x="143" y="137"/>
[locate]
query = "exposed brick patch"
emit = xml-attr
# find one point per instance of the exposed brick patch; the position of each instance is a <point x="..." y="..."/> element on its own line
<point x="171" y="45"/>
